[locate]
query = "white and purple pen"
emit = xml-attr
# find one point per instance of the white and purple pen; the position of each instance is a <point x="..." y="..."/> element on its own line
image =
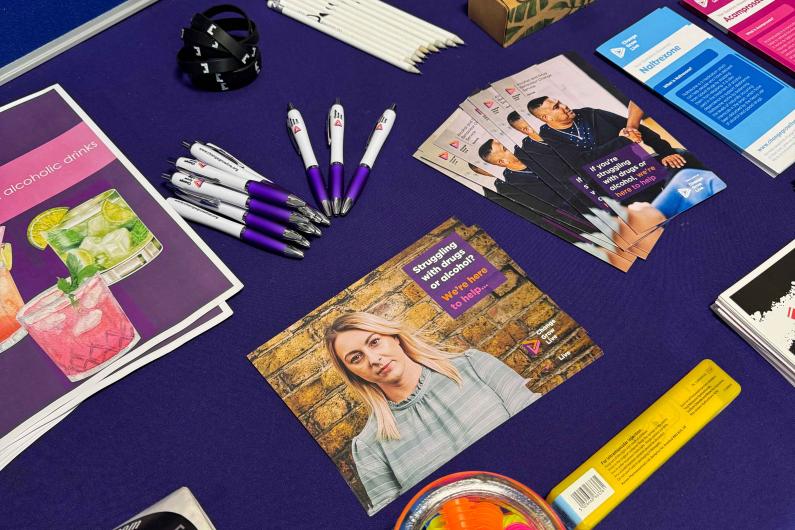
<point x="245" y="217"/>
<point x="299" y="137"/>
<point x="259" y="189"/>
<point x="200" y="186"/>
<point x="335" y="134"/>
<point x="215" y="157"/>
<point x="372" y="148"/>
<point x="193" y="213"/>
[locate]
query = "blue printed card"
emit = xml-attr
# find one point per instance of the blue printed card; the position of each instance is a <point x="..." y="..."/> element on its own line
<point x="743" y="104"/>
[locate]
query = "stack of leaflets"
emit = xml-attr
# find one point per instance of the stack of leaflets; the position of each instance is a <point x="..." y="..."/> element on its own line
<point x="743" y="104"/>
<point x="420" y="358"/>
<point x="93" y="266"/>
<point x="559" y="146"/>
<point x="765" y="26"/>
<point x="761" y="308"/>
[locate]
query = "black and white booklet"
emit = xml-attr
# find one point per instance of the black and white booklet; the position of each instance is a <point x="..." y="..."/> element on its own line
<point x="761" y="308"/>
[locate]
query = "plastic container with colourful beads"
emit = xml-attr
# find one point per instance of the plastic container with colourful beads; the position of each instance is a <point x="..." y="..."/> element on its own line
<point x="478" y="500"/>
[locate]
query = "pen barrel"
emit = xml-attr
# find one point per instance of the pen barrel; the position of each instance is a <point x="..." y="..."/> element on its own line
<point x="268" y="211"/>
<point x="208" y="189"/>
<point x="336" y="174"/>
<point x="204" y="170"/>
<point x="357" y="182"/>
<point x="267" y="192"/>
<point x="297" y="127"/>
<point x="379" y="135"/>
<point x="263" y="226"/>
<point x="213" y="159"/>
<point x="191" y="212"/>
<point x="284" y="191"/>
<point x="336" y="133"/>
<point x="316" y="184"/>
<point x="262" y="241"/>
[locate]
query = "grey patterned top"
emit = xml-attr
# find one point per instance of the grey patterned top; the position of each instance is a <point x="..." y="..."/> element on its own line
<point x="436" y="422"/>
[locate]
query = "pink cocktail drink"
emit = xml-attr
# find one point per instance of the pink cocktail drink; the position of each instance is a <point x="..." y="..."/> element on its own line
<point x="81" y="333"/>
<point x="10" y="304"/>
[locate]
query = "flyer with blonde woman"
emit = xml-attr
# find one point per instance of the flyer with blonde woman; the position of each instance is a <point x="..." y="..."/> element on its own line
<point x="416" y="361"/>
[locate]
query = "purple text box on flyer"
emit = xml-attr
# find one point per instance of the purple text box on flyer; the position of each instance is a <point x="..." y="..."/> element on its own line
<point x="625" y="172"/>
<point x="454" y="274"/>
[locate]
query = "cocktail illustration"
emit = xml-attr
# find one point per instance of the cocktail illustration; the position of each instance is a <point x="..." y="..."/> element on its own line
<point x="10" y="300"/>
<point x="103" y="231"/>
<point x="82" y="329"/>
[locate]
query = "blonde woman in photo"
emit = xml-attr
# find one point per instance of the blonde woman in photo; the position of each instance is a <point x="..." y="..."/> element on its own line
<point x="426" y="404"/>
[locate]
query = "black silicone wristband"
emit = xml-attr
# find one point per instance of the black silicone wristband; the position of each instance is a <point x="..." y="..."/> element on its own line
<point x="220" y="54"/>
<point x="204" y="23"/>
<point x="222" y="82"/>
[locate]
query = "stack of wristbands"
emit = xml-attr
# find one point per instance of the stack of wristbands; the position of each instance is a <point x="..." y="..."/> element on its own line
<point x="220" y="54"/>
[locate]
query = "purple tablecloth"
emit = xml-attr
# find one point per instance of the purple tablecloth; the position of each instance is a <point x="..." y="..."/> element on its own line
<point x="203" y="417"/>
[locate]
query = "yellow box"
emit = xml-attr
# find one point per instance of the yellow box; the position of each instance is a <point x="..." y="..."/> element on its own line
<point x="507" y="21"/>
<point x="608" y="477"/>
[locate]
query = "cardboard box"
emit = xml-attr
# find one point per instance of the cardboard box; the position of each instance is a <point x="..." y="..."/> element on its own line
<point x="507" y="21"/>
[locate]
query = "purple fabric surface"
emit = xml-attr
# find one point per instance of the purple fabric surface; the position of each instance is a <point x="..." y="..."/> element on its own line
<point x="204" y="418"/>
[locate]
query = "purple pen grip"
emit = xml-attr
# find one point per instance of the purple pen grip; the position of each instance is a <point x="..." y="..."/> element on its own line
<point x="357" y="182"/>
<point x="268" y="210"/>
<point x="266" y="192"/>
<point x="262" y="241"/>
<point x="316" y="183"/>
<point x="265" y="226"/>
<point x="336" y="174"/>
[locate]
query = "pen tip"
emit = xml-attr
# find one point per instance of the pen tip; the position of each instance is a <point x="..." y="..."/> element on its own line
<point x="326" y="205"/>
<point x="290" y="106"/>
<point x="293" y="252"/>
<point x="346" y="206"/>
<point x="393" y="106"/>
<point x="186" y="144"/>
<point x="171" y="160"/>
<point x="337" y="101"/>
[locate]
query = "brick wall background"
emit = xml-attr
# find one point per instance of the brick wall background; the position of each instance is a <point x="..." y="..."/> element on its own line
<point x="295" y="364"/>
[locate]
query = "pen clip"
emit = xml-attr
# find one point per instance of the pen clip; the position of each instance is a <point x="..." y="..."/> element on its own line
<point x="205" y="178"/>
<point x="180" y="171"/>
<point x="375" y="128"/>
<point x="292" y="138"/>
<point x="196" y="198"/>
<point x="328" y="126"/>
<point x="223" y="153"/>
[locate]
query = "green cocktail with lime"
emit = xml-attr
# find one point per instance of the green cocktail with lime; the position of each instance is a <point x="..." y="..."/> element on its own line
<point x="103" y="231"/>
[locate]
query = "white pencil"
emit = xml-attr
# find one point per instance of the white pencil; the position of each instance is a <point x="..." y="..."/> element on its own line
<point x="348" y="25"/>
<point x="362" y="22"/>
<point x="428" y="43"/>
<point x="357" y="43"/>
<point x="352" y="22"/>
<point x="377" y="24"/>
<point x="394" y="21"/>
<point x="400" y="14"/>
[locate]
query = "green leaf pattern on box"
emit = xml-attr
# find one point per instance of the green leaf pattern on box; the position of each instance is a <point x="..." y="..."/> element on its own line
<point x="528" y="16"/>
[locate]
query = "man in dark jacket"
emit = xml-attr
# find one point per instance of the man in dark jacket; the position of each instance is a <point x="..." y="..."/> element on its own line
<point x="584" y="135"/>
<point x="518" y="174"/>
